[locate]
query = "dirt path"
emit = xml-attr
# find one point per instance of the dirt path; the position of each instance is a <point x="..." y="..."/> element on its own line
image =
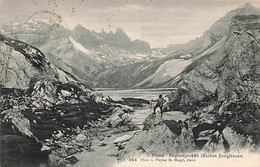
<point x="99" y="157"/>
<point x="139" y="116"/>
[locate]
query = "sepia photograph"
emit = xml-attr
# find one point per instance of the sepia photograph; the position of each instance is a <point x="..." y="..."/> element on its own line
<point x="129" y="83"/>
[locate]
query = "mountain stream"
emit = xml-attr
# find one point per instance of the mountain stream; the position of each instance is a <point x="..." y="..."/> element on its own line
<point x="100" y="156"/>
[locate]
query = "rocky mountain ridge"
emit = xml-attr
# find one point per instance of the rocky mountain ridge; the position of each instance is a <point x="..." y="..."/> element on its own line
<point x="80" y="51"/>
<point x="221" y="91"/>
<point x="181" y="59"/>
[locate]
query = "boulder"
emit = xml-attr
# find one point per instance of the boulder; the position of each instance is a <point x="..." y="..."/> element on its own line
<point x="46" y="149"/>
<point x="17" y="149"/>
<point x="80" y="138"/>
<point x="58" y="135"/>
<point x="72" y="159"/>
<point x="209" y="108"/>
<point x="230" y="140"/>
<point x="151" y="121"/>
<point x="158" y="139"/>
<point x="17" y="119"/>
<point x="189" y="113"/>
<point x="113" y="152"/>
<point x="120" y="118"/>
<point x="122" y="139"/>
<point x="102" y="144"/>
<point x="216" y="144"/>
<point x="65" y="93"/>
<point x="36" y="104"/>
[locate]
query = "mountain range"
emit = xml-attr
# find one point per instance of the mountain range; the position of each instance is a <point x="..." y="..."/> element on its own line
<point x="113" y="60"/>
<point x="180" y="59"/>
<point x="80" y="51"/>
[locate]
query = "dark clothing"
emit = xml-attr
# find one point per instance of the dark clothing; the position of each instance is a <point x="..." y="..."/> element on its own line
<point x="159" y="104"/>
<point x="156" y="106"/>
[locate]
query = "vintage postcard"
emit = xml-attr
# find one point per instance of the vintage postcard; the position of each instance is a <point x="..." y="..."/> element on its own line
<point x="120" y="83"/>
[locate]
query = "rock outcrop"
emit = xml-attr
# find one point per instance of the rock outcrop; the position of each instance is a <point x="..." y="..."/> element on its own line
<point x="47" y="118"/>
<point x="229" y="140"/>
<point x="159" y="137"/>
<point x="221" y="89"/>
<point x="20" y="63"/>
<point x="43" y="109"/>
<point x="120" y="119"/>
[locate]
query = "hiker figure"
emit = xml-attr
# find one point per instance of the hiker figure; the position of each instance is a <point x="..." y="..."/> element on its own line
<point x="159" y="104"/>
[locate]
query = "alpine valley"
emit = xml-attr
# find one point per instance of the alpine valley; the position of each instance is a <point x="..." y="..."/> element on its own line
<point x="52" y="115"/>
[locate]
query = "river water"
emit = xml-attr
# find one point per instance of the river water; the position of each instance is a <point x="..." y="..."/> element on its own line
<point x="147" y="94"/>
<point x="99" y="157"/>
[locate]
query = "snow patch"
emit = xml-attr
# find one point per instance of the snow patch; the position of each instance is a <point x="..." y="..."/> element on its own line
<point x="167" y="71"/>
<point x="79" y="47"/>
<point x="82" y="49"/>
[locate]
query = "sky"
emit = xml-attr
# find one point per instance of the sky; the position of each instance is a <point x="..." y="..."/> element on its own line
<point x="159" y="22"/>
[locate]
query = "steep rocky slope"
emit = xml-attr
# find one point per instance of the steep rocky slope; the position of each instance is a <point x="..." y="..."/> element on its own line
<point x="21" y="62"/>
<point x="222" y="90"/>
<point x="43" y="109"/>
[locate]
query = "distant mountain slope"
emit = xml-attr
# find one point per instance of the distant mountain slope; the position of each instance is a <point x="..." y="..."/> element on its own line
<point x="168" y="69"/>
<point x="182" y="59"/>
<point x="80" y="51"/>
<point x="126" y="76"/>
